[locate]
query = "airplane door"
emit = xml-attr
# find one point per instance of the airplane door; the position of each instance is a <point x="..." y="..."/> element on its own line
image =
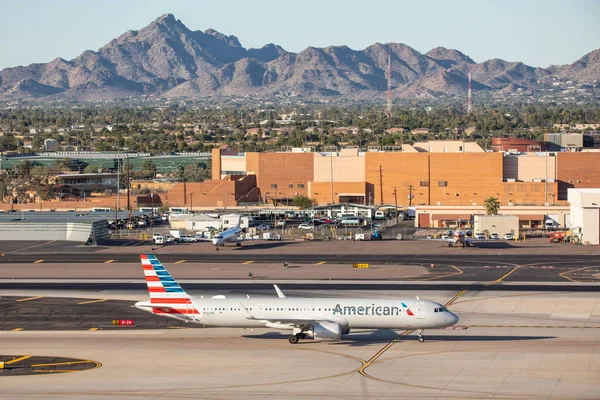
<point x="420" y="310"/>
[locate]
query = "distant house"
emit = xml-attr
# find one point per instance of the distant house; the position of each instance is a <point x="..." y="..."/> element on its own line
<point x="394" y="131"/>
<point x="420" y="131"/>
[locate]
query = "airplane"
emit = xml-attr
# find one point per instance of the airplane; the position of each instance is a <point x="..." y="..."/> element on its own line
<point x="461" y="238"/>
<point x="228" y="235"/>
<point x="315" y="318"/>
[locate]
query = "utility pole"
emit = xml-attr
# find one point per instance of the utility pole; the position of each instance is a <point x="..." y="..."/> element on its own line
<point x="410" y="195"/>
<point x="396" y="201"/>
<point x="381" y="183"/>
<point x="128" y="202"/>
<point x="331" y="172"/>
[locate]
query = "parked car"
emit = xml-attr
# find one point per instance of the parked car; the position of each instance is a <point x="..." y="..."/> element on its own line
<point x="305" y="227"/>
<point x="494" y="236"/>
<point x="187" y="239"/>
<point x="509" y="236"/>
<point x="479" y="236"/>
<point x="159" y="240"/>
<point x="263" y="227"/>
<point x="169" y="239"/>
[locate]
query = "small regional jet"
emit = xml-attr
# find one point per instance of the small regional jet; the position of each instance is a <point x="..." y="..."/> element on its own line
<point x="314" y="318"/>
<point x="230" y="235"/>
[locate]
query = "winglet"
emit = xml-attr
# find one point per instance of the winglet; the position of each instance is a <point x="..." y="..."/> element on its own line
<point x="279" y="292"/>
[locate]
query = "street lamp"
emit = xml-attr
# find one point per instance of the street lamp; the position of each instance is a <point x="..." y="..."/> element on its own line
<point x="152" y="200"/>
<point x="192" y="202"/>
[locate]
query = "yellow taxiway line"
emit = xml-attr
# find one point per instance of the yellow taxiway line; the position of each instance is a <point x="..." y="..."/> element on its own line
<point x="30" y="298"/>
<point x="321" y="263"/>
<point x="247" y="262"/>
<point x="503" y="276"/>
<point x="16" y="360"/>
<point x="38" y="261"/>
<point x="93" y="301"/>
<point x="109" y="261"/>
<point x="180" y="261"/>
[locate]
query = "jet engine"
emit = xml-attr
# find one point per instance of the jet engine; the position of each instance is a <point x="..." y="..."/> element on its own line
<point x="325" y="331"/>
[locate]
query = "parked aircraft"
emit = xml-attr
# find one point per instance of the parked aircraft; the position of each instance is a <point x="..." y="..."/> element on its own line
<point x="315" y="318"/>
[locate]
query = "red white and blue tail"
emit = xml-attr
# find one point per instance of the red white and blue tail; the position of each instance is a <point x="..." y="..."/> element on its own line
<point x="162" y="287"/>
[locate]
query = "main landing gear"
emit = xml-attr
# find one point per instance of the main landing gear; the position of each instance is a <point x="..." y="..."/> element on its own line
<point x="296" y="338"/>
<point x="421" y="338"/>
<point x="238" y="244"/>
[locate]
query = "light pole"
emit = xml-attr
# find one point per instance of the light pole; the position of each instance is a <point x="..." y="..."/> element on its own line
<point x="152" y="212"/>
<point x="396" y="201"/>
<point x="192" y="202"/>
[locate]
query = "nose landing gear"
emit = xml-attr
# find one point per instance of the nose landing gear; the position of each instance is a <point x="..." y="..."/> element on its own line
<point x="421" y="338"/>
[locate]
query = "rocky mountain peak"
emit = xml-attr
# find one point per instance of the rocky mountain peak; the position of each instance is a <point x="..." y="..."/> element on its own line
<point x="165" y="58"/>
<point x="229" y="40"/>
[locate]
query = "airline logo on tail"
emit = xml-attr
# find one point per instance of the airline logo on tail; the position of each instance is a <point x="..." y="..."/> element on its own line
<point x="161" y="285"/>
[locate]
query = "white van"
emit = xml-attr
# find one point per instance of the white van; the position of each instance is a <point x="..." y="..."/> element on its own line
<point x="101" y="210"/>
<point x="159" y="240"/>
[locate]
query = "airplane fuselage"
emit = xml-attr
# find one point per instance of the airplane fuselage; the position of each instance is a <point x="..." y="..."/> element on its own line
<point x="349" y="313"/>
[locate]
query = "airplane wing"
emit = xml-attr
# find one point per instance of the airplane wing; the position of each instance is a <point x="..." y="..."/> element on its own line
<point x="296" y="322"/>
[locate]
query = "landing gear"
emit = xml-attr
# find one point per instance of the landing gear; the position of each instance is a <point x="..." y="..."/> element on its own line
<point x="294" y="338"/>
<point x="421" y="338"/>
<point x="238" y="244"/>
<point x="217" y="247"/>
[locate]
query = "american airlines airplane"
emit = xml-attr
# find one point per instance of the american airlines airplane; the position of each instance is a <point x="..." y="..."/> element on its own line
<point x="314" y="318"/>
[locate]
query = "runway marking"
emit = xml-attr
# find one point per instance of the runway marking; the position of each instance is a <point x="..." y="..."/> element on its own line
<point x="57" y="371"/>
<point x="321" y="263"/>
<point x="563" y="274"/>
<point x="180" y="261"/>
<point x="31" y="247"/>
<point x="16" y="360"/>
<point x="503" y="276"/>
<point x="63" y="363"/>
<point x="30" y="298"/>
<point x="368" y="363"/>
<point x="459" y="271"/>
<point x="247" y="262"/>
<point x="17" y="329"/>
<point x="38" y="261"/>
<point x="456" y="296"/>
<point x="109" y="261"/>
<point x="93" y="329"/>
<point x="93" y="301"/>
<point x="385" y="348"/>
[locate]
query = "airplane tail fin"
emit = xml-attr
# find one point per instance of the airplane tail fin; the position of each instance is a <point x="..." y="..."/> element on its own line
<point x="161" y="285"/>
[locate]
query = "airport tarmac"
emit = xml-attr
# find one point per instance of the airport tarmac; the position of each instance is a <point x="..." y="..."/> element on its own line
<point x="509" y="345"/>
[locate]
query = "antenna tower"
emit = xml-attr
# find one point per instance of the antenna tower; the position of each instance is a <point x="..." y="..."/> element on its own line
<point x="469" y="99"/>
<point x="388" y="110"/>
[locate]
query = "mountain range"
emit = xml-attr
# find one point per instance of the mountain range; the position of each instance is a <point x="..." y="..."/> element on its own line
<point x="167" y="60"/>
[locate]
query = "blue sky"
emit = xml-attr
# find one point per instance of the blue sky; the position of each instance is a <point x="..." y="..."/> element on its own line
<point x="539" y="33"/>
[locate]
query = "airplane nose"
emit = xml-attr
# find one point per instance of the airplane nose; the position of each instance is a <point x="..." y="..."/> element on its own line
<point x="452" y="319"/>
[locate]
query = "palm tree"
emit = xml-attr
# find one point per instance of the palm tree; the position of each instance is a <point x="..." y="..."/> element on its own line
<point x="492" y="204"/>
